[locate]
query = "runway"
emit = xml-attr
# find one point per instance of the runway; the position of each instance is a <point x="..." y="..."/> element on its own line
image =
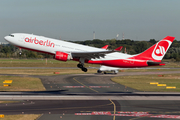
<point x="94" y="109"/>
<point x="92" y="96"/>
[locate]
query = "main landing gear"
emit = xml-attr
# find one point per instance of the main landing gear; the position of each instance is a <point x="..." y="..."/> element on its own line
<point x="81" y="66"/>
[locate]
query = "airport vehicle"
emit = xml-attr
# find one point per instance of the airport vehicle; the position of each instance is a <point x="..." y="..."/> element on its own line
<point x="106" y="69"/>
<point x="63" y="51"/>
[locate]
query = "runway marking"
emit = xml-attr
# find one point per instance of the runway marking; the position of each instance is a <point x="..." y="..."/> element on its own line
<point x="137" y="115"/>
<point x="94" y="113"/>
<point x="166" y="116"/>
<point x="99" y="86"/>
<point x="152" y="112"/>
<point x="114" y="108"/>
<point x="85" y="85"/>
<point x="128" y="112"/>
<point x="96" y="106"/>
<point x="74" y="86"/>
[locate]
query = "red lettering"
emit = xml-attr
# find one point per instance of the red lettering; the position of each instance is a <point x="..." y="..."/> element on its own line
<point x="40" y="42"/>
<point x="31" y="40"/>
<point x="44" y="43"/>
<point x="36" y="41"/>
<point x="47" y="43"/>
<point x="27" y="39"/>
<point x="52" y="44"/>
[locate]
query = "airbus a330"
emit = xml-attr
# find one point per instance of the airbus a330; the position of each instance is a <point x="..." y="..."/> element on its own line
<point x="63" y="51"/>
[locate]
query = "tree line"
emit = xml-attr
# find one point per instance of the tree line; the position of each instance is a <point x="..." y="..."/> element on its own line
<point x="129" y="46"/>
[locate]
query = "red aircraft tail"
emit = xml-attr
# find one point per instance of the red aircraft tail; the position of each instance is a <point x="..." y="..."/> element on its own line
<point x="157" y="51"/>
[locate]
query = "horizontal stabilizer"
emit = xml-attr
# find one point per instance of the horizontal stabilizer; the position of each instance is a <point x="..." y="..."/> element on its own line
<point x="105" y="47"/>
<point x="151" y="63"/>
<point x="119" y="48"/>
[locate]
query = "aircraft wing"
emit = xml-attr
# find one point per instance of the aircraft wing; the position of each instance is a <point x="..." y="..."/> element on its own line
<point x="89" y="55"/>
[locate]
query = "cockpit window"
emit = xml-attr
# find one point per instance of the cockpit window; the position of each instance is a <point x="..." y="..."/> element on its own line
<point x="11" y="35"/>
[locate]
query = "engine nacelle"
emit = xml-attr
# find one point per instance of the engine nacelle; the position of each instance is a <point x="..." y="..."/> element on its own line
<point x="62" y="56"/>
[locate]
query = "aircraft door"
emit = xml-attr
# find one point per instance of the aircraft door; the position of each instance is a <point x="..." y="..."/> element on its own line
<point x="21" y="39"/>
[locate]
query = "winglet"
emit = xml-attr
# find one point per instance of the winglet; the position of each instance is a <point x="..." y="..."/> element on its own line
<point x="105" y="47"/>
<point x="119" y="48"/>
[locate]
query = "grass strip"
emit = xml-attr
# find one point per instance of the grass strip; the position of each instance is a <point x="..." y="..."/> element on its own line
<point x="39" y="63"/>
<point x="21" y="117"/>
<point x="21" y="84"/>
<point x="142" y="82"/>
<point x="45" y="72"/>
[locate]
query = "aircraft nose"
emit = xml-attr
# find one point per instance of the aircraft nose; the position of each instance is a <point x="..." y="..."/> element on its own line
<point x="6" y="37"/>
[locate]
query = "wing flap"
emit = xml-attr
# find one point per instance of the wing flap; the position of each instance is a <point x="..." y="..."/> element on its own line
<point x="89" y="55"/>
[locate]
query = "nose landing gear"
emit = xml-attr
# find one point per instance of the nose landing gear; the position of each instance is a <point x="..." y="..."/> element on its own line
<point x="20" y="51"/>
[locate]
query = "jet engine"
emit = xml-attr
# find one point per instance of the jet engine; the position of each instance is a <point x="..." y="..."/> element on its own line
<point x="62" y="56"/>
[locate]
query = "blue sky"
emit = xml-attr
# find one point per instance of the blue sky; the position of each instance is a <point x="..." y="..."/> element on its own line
<point x="77" y="19"/>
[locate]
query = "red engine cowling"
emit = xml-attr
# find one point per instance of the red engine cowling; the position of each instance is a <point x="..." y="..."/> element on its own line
<point x="62" y="56"/>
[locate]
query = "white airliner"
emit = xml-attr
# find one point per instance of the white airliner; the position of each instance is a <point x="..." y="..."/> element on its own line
<point x="64" y="51"/>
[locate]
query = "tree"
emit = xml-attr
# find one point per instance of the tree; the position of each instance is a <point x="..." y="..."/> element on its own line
<point x="153" y="41"/>
<point x="140" y="47"/>
<point x="167" y="56"/>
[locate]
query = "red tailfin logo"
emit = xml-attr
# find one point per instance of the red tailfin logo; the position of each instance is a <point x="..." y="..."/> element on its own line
<point x="160" y="49"/>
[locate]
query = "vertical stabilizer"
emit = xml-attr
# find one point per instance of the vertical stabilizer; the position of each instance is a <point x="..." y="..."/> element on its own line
<point x="157" y="51"/>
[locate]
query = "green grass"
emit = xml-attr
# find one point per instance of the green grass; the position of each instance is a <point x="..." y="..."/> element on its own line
<point x="149" y="70"/>
<point x="45" y="72"/>
<point x="142" y="83"/>
<point x="21" y="117"/>
<point x="39" y="63"/>
<point x="172" y="64"/>
<point x="4" y="102"/>
<point x="21" y="84"/>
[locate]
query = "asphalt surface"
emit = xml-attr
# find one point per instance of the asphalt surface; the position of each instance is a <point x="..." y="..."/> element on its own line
<point x="94" y="109"/>
<point x="84" y="84"/>
<point x="104" y="109"/>
<point x="91" y="83"/>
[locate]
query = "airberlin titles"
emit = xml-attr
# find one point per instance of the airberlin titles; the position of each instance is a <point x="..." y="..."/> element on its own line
<point x="40" y="42"/>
